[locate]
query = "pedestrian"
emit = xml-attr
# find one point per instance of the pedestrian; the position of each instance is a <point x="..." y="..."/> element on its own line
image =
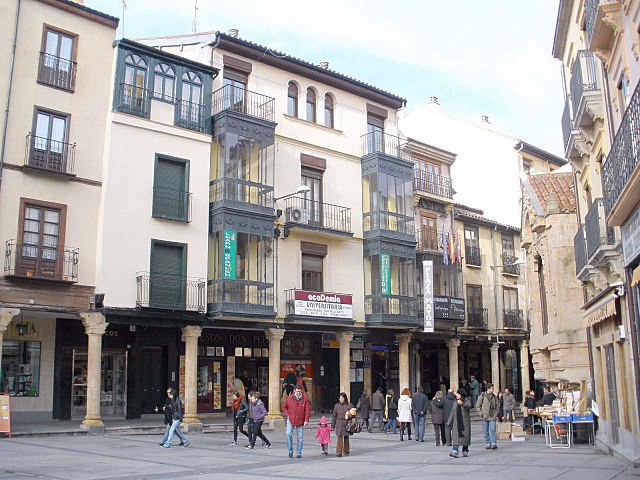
<point x="364" y="405"/>
<point x="258" y="412"/>
<point x="420" y="404"/>
<point x="547" y="396"/>
<point x="239" y="410"/>
<point x="390" y="412"/>
<point x="448" y="402"/>
<point x="474" y="390"/>
<point x="437" y="418"/>
<point x="508" y="404"/>
<point x="323" y="434"/>
<point x="341" y="415"/>
<point x="500" y="408"/>
<point x="460" y="421"/>
<point x="377" y="407"/>
<point x="297" y="411"/>
<point x="172" y="417"/>
<point x="487" y="407"/>
<point x="405" y="415"/>
<point x="529" y="404"/>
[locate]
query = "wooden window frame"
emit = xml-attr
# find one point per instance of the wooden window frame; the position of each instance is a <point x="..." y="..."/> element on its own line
<point x="331" y="109"/>
<point x="313" y="104"/>
<point x="296" y="99"/>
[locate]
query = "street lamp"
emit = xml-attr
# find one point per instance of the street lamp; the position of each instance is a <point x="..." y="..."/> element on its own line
<point x="299" y="190"/>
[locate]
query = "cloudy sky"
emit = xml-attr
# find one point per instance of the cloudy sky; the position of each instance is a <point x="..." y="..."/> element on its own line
<point x="488" y="57"/>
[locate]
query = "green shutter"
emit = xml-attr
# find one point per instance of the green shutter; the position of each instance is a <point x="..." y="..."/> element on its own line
<point x="170" y="196"/>
<point x="167" y="287"/>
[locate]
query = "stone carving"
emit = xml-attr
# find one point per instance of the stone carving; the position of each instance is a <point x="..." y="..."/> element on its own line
<point x="6" y="316"/>
<point x="94" y="323"/>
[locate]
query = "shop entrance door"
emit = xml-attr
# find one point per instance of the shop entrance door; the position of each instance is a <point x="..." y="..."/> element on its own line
<point x="112" y="383"/>
<point x="330" y="378"/>
<point x="430" y="375"/>
<point x="211" y="397"/>
<point x="154" y="378"/>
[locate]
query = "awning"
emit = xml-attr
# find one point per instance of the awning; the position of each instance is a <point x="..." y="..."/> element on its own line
<point x="601" y="310"/>
<point x="635" y="277"/>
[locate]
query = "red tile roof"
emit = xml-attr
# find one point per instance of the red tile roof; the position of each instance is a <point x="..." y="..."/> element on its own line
<point x="554" y="186"/>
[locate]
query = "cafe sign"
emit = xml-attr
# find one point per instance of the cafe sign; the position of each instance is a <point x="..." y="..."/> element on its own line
<point x="385" y="274"/>
<point x="323" y="304"/>
<point x="229" y="247"/>
<point x="448" y="308"/>
<point x="427" y="274"/>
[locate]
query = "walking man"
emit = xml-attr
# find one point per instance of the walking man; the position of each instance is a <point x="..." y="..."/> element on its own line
<point x="377" y="405"/>
<point x="419" y="404"/>
<point x="258" y="412"/>
<point x="487" y="407"/>
<point x="173" y="416"/>
<point x="297" y="411"/>
<point x="448" y="403"/>
<point x="509" y="403"/>
<point x="474" y="389"/>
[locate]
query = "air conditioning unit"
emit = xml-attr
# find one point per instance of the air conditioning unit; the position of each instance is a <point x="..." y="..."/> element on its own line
<point x="297" y="215"/>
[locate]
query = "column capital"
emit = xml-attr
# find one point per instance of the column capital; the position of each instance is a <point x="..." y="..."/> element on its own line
<point x="191" y="331"/>
<point x="274" y="334"/>
<point x="453" y="343"/>
<point x="344" y="336"/>
<point x="403" y="337"/>
<point x="494" y="347"/>
<point x="94" y="323"/>
<point x="524" y="344"/>
<point x="6" y="316"/>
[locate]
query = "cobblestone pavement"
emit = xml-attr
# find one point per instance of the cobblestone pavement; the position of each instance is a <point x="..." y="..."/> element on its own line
<point x="137" y="457"/>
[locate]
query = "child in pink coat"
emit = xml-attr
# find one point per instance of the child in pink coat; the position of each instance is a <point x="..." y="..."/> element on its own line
<point x="323" y="434"/>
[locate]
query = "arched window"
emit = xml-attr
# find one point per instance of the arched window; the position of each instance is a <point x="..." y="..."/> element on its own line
<point x="134" y="93"/>
<point x="311" y="105"/>
<point x="328" y="111"/>
<point x="292" y="100"/>
<point x="164" y="81"/>
<point x="191" y="87"/>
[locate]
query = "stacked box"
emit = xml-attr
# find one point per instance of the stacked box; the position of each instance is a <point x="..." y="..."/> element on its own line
<point x="503" y="430"/>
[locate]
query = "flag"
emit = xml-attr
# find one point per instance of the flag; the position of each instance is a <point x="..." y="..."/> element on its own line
<point x="452" y="250"/>
<point x="445" y="250"/>
<point x="458" y="248"/>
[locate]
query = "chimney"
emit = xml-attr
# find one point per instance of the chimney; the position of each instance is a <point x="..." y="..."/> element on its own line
<point x="435" y="100"/>
<point x="324" y="65"/>
<point x="233" y="32"/>
<point x="484" y="119"/>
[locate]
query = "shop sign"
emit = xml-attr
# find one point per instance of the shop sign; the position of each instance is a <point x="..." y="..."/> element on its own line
<point x="357" y="342"/>
<point x="322" y="304"/>
<point x="630" y="233"/>
<point x="448" y="308"/>
<point x="456" y="312"/>
<point x="233" y="339"/>
<point x="302" y="369"/>
<point x="385" y="274"/>
<point x="229" y="246"/>
<point x="329" y="340"/>
<point x="427" y="275"/>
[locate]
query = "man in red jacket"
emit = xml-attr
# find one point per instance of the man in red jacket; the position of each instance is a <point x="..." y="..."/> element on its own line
<point x="297" y="410"/>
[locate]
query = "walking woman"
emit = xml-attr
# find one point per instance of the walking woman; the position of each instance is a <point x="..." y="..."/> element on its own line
<point x="404" y="413"/>
<point x="391" y="412"/>
<point x="258" y="411"/>
<point x="364" y="405"/>
<point x="173" y="416"/>
<point x="460" y="421"/>
<point x="239" y="410"/>
<point x="341" y="416"/>
<point x="437" y="418"/>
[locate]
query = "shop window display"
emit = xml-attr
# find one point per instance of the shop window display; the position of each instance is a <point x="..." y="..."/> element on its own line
<point x="20" y="372"/>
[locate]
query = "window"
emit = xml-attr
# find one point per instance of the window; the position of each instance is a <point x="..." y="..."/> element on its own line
<point x="312" y="272"/>
<point x="312" y="200"/>
<point x="163" y="83"/>
<point x="623" y="93"/>
<point x="401" y="276"/>
<point x="311" y="105"/>
<point x="49" y="147"/>
<point x="234" y="84"/>
<point x="134" y="93"/>
<point x="474" y="297"/>
<point x="389" y="203"/>
<point x="328" y="111"/>
<point x="190" y="108"/>
<point x="57" y="67"/>
<point x="472" y="246"/>
<point x="170" y="189"/>
<point x="21" y="368"/>
<point x="167" y="277"/>
<point x="508" y="245"/>
<point x="292" y="100"/>
<point x="375" y="133"/>
<point x="428" y="234"/>
<point x="510" y="299"/>
<point x="543" y="298"/>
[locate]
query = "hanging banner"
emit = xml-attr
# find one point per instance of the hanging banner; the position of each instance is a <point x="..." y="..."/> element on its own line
<point x="385" y="274"/>
<point x="229" y="246"/>
<point x="427" y="276"/>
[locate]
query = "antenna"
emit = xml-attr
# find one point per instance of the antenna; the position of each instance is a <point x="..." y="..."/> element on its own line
<point x="195" y="15"/>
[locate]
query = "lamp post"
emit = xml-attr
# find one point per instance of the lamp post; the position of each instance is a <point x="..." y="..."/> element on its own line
<point x="299" y="190"/>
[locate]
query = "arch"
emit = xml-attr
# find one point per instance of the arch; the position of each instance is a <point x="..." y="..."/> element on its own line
<point x="192" y="77"/>
<point x="163" y="81"/>
<point x="134" y="59"/>
<point x="312" y="105"/>
<point x="292" y="98"/>
<point x="329" y="110"/>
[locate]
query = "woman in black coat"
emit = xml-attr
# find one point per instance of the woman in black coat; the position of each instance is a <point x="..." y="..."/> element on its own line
<point x="341" y="415"/>
<point x="364" y="405"/>
<point x="437" y="417"/>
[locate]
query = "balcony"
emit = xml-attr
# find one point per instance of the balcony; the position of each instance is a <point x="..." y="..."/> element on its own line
<point x="133" y="100"/>
<point x="508" y="263"/>
<point x="170" y="292"/>
<point x="433" y="184"/>
<point x="429" y="240"/>
<point x="513" y="319"/>
<point x="190" y="115"/>
<point x="40" y="262"/>
<point x="567" y="124"/>
<point x="240" y="298"/>
<point x="477" y="318"/>
<point x="580" y="249"/>
<point x="620" y="175"/>
<point x="172" y="204"/>
<point x="324" y="307"/>
<point x="601" y="22"/>
<point x="396" y="225"/>
<point x="241" y="194"/>
<point x="390" y="310"/>
<point x="313" y="215"/>
<point x="586" y="98"/>
<point x="378" y="142"/>
<point x="596" y="230"/>
<point x="473" y="256"/>
<point x="49" y="155"/>
<point x="237" y="99"/>
<point x="57" y="72"/>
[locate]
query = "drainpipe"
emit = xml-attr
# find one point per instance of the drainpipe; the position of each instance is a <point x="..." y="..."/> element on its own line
<point x="6" y="112"/>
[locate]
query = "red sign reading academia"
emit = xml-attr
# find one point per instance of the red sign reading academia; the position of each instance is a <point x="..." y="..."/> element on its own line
<point x="323" y="304"/>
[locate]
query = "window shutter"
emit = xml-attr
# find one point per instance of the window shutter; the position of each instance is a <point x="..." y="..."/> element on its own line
<point x="167" y="286"/>
<point x="170" y="196"/>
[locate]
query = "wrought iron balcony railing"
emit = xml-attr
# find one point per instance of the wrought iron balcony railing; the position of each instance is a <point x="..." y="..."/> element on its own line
<point x="40" y="262"/>
<point x="435" y="184"/>
<point x="429" y="240"/>
<point x="172" y="204"/>
<point x="50" y="155"/>
<point x="584" y="79"/>
<point x="170" y="292"/>
<point x="133" y="100"/>
<point x="590" y="12"/>
<point x="624" y="154"/>
<point x="513" y="319"/>
<point x="393" y="222"/>
<point x="310" y="213"/>
<point x="477" y="318"/>
<point x="473" y="255"/>
<point x="597" y="232"/>
<point x="580" y="248"/>
<point x="390" y="305"/>
<point x="241" y="296"/>
<point x="508" y="263"/>
<point x="238" y="99"/>
<point x="57" y="71"/>
<point x="190" y="115"/>
<point x="240" y="191"/>
<point x="567" y="124"/>
<point x="379" y="142"/>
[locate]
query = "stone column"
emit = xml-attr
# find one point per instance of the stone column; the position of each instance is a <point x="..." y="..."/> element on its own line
<point x="190" y="335"/>
<point x="453" y="345"/>
<point x="94" y="326"/>
<point x="495" y="368"/>
<point x="403" y="364"/>
<point x="345" y="361"/>
<point x="6" y="316"/>
<point x="524" y="368"/>
<point x="274" y="335"/>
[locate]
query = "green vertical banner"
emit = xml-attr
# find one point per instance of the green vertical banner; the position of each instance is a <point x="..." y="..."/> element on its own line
<point x="229" y="247"/>
<point x="385" y="274"/>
